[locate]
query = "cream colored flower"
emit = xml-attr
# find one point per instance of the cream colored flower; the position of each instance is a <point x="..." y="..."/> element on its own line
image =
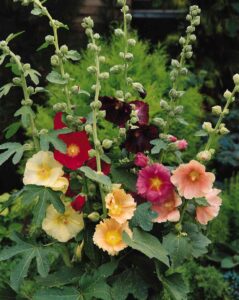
<point x="43" y="169"/>
<point x="121" y="206"/>
<point x="62" y="227"/>
<point x="108" y="236"/>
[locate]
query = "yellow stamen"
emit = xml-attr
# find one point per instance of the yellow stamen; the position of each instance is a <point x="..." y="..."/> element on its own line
<point x="194" y="175"/>
<point x="113" y="237"/>
<point x="73" y="150"/>
<point x="115" y="209"/>
<point x="155" y="183"/>
<point x="44" y="172"/>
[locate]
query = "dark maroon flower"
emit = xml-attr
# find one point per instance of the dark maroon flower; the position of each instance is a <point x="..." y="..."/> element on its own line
<point x="117" y="112"/>
<point x="142" y="110"/>
<point x="138" y="140"/>
<point x="143" y="94"/>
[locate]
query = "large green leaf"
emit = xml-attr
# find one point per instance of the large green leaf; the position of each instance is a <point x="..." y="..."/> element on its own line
<point x="67" y="293"/>
<point x="51" y="137"/>
<point x="179" y="248"/>
<point x="91" y="174"/>
<point x="15" y="150"/>
<point x="25" y="112"/>
<point x="4" y="90"/>
<point x="55" y="77"/>
<point x="147" y="244"/>
<point x="143" y="217"/>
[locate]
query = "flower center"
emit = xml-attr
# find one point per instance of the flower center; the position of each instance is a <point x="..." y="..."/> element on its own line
<point x="155" y="183"/>
<point x="115" y="209"/>
<point x="194" y="175"/>
<point x="169" y="205"/>
<point x="44" y="172"/>
<point x="63" y="219"/>
<point x="113" y="237"/>
<point x="73" y="150"/>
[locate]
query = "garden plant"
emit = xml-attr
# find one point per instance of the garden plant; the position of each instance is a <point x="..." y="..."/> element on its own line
<point x="117" y="194"/>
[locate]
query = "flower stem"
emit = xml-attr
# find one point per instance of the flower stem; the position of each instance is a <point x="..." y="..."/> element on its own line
<point x="57" y="48"/>
<point x="125" y="50"/>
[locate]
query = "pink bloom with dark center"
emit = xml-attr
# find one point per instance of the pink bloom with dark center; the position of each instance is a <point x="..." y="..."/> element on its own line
<point x="192" y="180"/>
<point x="154" y="183"/>
<point x="204" y="214"/>
<point x="141" y="160"/>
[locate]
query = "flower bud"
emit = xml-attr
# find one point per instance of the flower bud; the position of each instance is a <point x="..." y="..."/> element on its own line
<point x="217" y="110"/>
<point x="94" y="216"/>
<point x="104" y="75"/>
<point x="69" y="118"/>
<point x="122" y="132"/>
<point x="75" y="89"/>
<point x="178" y="110"/>
<point x="116" y="69"/>
<point x="92" y="69"/>
<point x="141" y="160"/>
<point x="227" y="94"/>
<point x="64" y="49"/>
<point x="97" y="36"/>
<point x="88" y="128"/>
<point x="102" y="114"/>
<point x="119" y="32"/>
<point x="55" y="60"/>
<point x="138" y="86"/>
<point x="102" y="59"/>
<point x="128" y="17"/>
<point x="175" y="63"/>
<point x="87" y="22"/>
<point x="16" y="81"/>
<point x="182" y="40"/>
<point x="43" y="131"/>
<point x="78" y="251"/>
<point x="193" y="37"/>
<point x="223" y="130"/>
<point x="181" y="145"/>
<point x="159" y="122"/>
<point x="164" y="104"/>
<point x="207" y="126"/>
<point x="92" y="153"/>
<point x="129" y="56"/>
<point x="204" y="155"/>
<point x="236" y="79"/>
<point x="128" y="95"/>
<point x="131" y="42"/>
<point x="189" y="54"/>
<point x="107" y="144"/>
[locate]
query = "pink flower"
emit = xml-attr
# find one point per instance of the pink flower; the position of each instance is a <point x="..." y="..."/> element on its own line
<point x="153" y="183"/>
<point x="141" y="160"/>
<point x="204" y="214"/>
<point x="181" y="145"/>
<point x="172" y="138"/>
<point x="192" y="180"/>
<point x="168" y="210"/>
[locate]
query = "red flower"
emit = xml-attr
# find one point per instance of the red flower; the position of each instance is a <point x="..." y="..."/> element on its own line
<point x="142" y="110"/>
<point x="58" y="124"/>
<point x="104" y="166"/>
<point x="78" y="203"/>
<point x="77" y="150"/>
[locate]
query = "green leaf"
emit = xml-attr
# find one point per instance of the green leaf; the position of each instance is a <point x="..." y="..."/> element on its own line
<point x="21" y="270"/>
<point x="34" y="75"/>
<point x="230" y="262"/>
<point x="67" y="293"/>
<point x="14" y="68"/>
<point x="52" y="138"/>
<point x="158" y="146"/>
<point x="147" y="244"/>
<point x="2" y="58"/>
<point x="174" y="284"/>
<point x="202" y="202"/>
<point x="4" y="90"/>
<point x="25" y="112"/>
<point x="124" y="177"/>
<point x="12" y="251"/>
<point x="201" y="133"/>
<point x="43" y="266"/>
<point x="55" y="77"/>
<point x="143" y="217"/>
<point x="43" y="46"/>
<point x="129" y="282"/>
<point x="12" y="129"/>
<point x="179" y="248"/>
<point x="198" y="241"/>
<point x="13" y="36"/>
<point x="182" y="121"/>
<point x="73" y="55"/>
<point x="91" y="174"/>
<point x="12" y="149"/>
<point x="36" y="11"/>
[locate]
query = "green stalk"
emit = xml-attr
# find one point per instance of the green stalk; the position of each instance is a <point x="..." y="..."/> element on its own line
<point x="125" y="50"/>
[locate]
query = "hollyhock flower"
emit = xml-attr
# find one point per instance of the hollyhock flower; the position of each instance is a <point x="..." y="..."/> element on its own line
<point x="141" y="160"/>
<point x="117" y="112"/>
<point x="181" y="145"/>
<point x="43" y="169"/>
<point x="153" y="183"/>
<point x="77" y="150"/>
<point x="138" y="140"/>
<point x="78" y="203"/>
<point x="143" y="93"/>
<point x="168" y="210"/>
<point x="204" y="214"/>
<point x="104" y="166"/>
<point x="121" y="206"/>
<point x="59" y="124"/>
<point x="62" y="227"/>
<point x="172" y="138"/>
<point x="142" y="110"/>
<point x="108" y="236"/>
<point x="192" y="180"/>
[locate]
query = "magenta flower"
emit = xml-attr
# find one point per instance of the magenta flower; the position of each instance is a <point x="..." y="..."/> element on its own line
<point x="181" y="145"/>
<point x="154" y="183"/>
<point x="141" y="160"/>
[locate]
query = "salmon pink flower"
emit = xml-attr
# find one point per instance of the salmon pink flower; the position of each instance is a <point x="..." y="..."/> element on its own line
<point x="168" y="210"/>
<point x="78" y="203"/>
<point x="192" y="180"/>
<point x="204" y="214"/>
<point x="141" y="160"/>
<point x="104" y="166"/>
<point x="108" y="236"/>
<point x="154" y="183"/>
<point x="121" y="206"/>
<point x="77" y="150"/>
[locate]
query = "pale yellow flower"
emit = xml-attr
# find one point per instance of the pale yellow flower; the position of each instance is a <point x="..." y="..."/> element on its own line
<point x="62" y="227"/>
<point x="121" y="206"/>
<point x="108" y="236"/>
<point x="43" y="169"/>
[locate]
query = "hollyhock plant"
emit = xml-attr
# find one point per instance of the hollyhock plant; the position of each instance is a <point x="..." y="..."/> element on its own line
<point x="77" y="150"/>
<point x="192" y="180"/>
<point x="141" y="160"/>
<point x="204" y="214"/>
<point x="121" y="206"/>
<point x="104" y="166"/>
<point x="108" y="236"/>
<point x="138" y="139"/>
<point x="169" y="209"/>
<point x="142" y="110"/>
<point x="154" y="183"/>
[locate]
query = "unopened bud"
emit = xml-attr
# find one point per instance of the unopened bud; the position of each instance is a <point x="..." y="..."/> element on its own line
<point x="227" y="94"/>
<point x="94" y="216"/>
<point x="207" y="126"/>
<point x="92" y="153"/>
<point x="107" y="144"/>
<point x="119" y="32"/>
<point x="216" y="110"/>
<point x="204" y="155"/>
<point x="236" y="79"/>
<point x="88" y="128"/>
